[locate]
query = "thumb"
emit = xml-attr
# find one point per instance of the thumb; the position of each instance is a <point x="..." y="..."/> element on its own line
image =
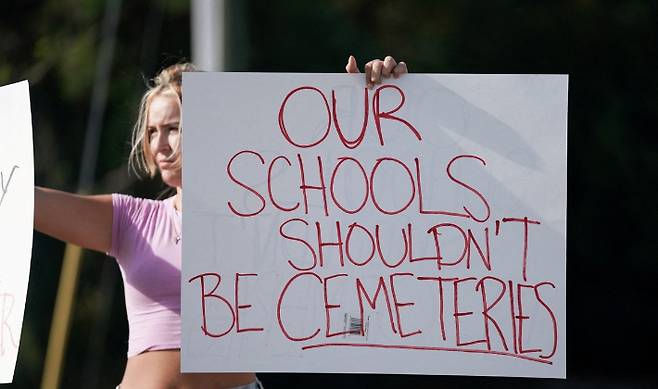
<point x="351" y="65"/>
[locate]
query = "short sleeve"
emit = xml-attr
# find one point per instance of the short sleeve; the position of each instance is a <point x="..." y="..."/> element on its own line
<point x="124" y="208"/>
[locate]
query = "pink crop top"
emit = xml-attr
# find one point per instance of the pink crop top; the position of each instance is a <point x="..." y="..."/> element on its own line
<point x="145" y="243"/>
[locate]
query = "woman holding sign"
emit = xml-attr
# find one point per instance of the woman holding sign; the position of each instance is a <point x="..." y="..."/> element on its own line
<point x="144" y="236"/>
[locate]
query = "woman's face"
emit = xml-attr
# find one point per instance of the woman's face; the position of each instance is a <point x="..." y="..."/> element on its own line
<point x="162" y="135"/>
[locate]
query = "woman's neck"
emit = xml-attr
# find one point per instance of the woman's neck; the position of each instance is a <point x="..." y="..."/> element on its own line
<point x="178" y="200"/>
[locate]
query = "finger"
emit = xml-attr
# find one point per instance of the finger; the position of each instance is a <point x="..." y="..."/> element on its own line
<point x="389" y="65"/>
<point x="351" y="66"/>
<point x="368" y="70"/>
<point x="376" y="75"/>
<point x="401" y="68"/>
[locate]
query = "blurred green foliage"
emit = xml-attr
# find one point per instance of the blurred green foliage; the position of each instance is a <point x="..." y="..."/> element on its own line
<point x="609" y="49"/>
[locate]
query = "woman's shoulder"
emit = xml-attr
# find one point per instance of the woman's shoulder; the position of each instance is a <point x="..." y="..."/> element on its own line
<point x="140" y="200"/>
<point x="130" y="204"/>
<point x="132" y="197"/>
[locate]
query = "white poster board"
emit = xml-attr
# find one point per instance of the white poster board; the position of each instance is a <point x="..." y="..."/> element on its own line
<point x="415" y="228"/>
<point x="16" y="218"/>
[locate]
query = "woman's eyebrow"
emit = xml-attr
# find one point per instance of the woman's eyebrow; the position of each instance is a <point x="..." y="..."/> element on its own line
<point x="168" y="124"/>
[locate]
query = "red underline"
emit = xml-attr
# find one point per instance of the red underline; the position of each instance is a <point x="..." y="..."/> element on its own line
<point x="427" y="348"/>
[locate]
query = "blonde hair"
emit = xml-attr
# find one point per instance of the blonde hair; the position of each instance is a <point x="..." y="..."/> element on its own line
<point x="169" y="80"/>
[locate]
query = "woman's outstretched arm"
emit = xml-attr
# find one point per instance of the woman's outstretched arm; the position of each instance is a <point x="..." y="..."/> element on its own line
<point x="85" y="221"/>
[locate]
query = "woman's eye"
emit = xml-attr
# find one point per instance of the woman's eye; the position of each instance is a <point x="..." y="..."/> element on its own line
<point x="150" y="133"/>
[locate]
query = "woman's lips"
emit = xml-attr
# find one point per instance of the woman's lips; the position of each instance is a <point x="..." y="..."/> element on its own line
<point x="165" y="165"/>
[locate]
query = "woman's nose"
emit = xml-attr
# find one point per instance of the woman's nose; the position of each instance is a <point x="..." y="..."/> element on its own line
<point x="162" y="141"/>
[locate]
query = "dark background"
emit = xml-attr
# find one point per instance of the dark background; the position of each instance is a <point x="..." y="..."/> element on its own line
<point x="608" y="48"/>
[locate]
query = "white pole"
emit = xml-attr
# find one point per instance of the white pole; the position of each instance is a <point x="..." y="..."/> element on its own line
<point x="208" y="34"/>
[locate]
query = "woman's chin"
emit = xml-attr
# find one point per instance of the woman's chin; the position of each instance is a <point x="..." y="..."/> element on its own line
<point x="171" y="179"/>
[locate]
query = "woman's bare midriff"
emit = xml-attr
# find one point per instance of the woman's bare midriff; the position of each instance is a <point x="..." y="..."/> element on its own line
<point x="161" y="370"/>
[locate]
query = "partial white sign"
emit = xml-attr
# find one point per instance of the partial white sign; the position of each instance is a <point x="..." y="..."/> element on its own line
<point x="417" y="227"/>
<point x="16" y="218"/>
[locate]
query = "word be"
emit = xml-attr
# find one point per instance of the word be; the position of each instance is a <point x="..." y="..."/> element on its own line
<point x="233" y="309"/>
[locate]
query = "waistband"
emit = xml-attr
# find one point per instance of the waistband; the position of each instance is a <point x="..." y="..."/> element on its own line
<point x="254" y="385"/>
